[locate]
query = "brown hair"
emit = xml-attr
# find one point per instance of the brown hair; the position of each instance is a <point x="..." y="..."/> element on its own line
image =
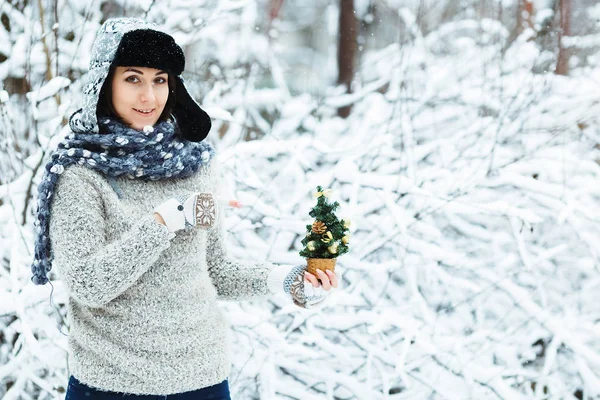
<point x="105" y="106"/>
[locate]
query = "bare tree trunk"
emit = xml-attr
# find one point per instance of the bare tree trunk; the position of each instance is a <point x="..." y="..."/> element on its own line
<point x="524" y="20"/>
<point x="274" y="8"/>
<point x="562" y="66"/>
<point x="346" y="49"/>
<point x="524" y="15"/>
<point x="46" y="49"/>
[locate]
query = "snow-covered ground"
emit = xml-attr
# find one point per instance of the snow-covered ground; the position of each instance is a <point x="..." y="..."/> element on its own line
<point x="473" y="186"/>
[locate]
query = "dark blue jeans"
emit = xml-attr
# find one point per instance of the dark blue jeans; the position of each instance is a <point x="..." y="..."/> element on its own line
<point x="80" y="391"/>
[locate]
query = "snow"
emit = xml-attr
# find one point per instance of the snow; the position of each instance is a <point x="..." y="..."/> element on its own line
<point x="218" y="113"/>
<point x="469" y="175"/>
<point x="49" y="89"/>
<point x="582" y="42"/>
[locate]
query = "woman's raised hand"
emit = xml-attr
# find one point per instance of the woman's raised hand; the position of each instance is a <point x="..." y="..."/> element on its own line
<point x="192" y="210"/>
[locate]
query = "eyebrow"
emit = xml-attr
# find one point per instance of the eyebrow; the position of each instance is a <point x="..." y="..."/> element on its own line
<point x="141" y="73"/>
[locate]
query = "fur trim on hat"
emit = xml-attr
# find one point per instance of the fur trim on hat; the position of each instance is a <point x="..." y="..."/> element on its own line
<point x="152" y="49"/>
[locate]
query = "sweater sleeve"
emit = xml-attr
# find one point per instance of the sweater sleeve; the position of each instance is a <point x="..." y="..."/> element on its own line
<point x="234" y="279"/>
<point x="97" y="271"/>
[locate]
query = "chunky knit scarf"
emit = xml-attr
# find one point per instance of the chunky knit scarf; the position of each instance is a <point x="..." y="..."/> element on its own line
<point x="155" y="153"/>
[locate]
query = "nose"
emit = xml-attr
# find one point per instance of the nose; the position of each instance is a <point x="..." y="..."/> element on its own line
<point x="147" y="94"/>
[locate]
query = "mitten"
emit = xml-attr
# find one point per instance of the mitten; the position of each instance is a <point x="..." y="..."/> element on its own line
<point x="303" y="293"/>
<point x="186" y="211"/>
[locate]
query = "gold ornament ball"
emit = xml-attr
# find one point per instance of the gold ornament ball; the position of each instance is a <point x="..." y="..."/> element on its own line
<point x="333" y="248"/>
<point x="346" y="239"/>
<point x="311" y="245"/>
<point x="347" y="223"/>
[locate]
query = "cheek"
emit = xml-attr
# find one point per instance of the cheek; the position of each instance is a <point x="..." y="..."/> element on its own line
<point x="163" y="95"/>
<point x="120" y="94"/>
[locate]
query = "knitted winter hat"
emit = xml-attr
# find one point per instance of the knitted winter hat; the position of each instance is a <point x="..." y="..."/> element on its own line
<point x="150" y="48"/>
<point x="134" y="42"/>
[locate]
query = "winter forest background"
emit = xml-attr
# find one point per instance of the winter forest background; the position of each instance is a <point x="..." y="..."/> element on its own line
<point x="461" y="138"/>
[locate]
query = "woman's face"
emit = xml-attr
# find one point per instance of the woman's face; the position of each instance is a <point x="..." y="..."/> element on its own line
<point x="139" y="95"/>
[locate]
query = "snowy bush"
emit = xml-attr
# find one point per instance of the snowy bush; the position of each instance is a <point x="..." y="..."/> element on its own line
<point x="471" y="182"/>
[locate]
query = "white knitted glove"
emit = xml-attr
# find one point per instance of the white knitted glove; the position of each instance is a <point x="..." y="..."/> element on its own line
<point x="192" y="210"/>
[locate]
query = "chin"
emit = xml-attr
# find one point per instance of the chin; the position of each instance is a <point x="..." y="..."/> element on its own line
<point x="140" y="125"/>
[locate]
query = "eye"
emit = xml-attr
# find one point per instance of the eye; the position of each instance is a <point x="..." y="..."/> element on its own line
<point x="132" y="79"/>
<point x="160" y="80"/>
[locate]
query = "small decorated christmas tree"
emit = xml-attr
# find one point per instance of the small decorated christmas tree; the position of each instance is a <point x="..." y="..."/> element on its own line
<point x="327" y="238"/>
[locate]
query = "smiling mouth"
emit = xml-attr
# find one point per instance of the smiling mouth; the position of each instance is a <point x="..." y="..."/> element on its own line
<point x="145" y="112"/>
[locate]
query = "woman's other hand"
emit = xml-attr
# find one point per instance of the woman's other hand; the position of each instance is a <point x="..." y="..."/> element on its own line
<point x="310" y="291"/>
<point x="325" y="279"/>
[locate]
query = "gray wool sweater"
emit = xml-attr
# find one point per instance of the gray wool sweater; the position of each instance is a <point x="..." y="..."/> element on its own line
<point x="142" y="309"/>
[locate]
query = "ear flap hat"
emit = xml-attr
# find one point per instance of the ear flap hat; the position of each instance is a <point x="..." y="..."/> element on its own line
<point x="130" y="42"/>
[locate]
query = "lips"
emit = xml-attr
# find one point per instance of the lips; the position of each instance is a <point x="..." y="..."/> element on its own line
<point x="144" y="112"/>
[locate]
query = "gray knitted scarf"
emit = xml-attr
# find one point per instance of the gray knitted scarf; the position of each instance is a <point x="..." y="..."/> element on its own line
<point x="155" y="153"/>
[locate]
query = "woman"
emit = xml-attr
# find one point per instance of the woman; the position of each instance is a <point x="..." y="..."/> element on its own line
<point x="134" y="228"/>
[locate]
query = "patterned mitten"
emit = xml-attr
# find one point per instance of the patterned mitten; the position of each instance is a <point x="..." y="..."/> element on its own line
<point x="303" y="293"/>
<point x="187" y="211"/>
